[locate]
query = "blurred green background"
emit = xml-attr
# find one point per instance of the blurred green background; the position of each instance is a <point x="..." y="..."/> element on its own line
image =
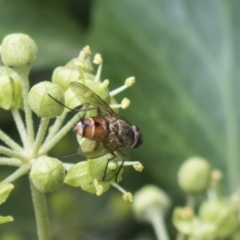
<point x="185" y="57"/>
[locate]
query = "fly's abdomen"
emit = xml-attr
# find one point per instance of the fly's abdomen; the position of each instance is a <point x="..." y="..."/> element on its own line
<point x="94" y="128"/>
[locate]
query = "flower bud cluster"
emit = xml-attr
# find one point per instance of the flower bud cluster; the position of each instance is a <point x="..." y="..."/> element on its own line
<point x="50" y="99"/>
<point x="217" y="218"/>
<point x="89" y="175"/>
<point x="18" y="51"/>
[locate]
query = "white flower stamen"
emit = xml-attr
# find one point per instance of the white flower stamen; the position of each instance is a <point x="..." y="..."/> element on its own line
<point x="98" y="74"/>
<point x="128" y="83"/>
<point x="136" y="165"/>
<point x="124" y="104"/>
<point x="97" y="59"/>
<point x="99" y="188"/>
<point x="86" y="51"/>
<point x="128" y="197"/>
<point x="118" y="187"/>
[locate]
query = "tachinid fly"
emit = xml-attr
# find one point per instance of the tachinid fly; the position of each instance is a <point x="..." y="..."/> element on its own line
<point x="104" y="132"/>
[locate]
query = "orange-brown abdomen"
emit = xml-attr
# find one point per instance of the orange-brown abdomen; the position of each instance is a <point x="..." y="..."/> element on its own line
<point x="95" y="128"/>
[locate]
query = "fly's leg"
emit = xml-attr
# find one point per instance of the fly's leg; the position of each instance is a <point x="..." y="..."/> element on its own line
<point x="123" y="156"/>
<point x="105" y="170"/>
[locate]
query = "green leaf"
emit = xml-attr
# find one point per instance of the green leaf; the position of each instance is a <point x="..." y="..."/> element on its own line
<point x="185" y="56"/>
<point x="5" y="189"/>
<point x="6" y="219"/>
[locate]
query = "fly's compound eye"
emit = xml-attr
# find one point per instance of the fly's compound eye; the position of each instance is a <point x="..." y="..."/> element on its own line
<point x="137" y="137"/>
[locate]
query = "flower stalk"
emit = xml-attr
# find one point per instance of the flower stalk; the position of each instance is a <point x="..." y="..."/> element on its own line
<point x="40" y="209"/>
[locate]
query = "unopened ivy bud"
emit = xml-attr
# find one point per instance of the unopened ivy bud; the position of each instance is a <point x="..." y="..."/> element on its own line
<point x="194" y="175"/>
<point x="71" y="101"/>
<point x="148" y="199"/>
<point x="151" y="204"/>
<point x="223" y="214"/>
<point x="79" y="175"/>
<point x="102" y="169"/>
<point x="18" y="50"/>
<point x="11" y="91"/>
<point x="47" y="174"/>
<point x="62" y="76"/>
<point x="100" y="89"/>
<point x="184" y="219"/>
<point x="41" y="99"/>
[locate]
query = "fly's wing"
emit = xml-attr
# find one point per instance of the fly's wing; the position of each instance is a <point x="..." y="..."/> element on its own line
<point x="86" y="96"/>
<point x="92" y="149"/>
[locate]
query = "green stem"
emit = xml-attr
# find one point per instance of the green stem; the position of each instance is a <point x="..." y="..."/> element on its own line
<point x="14" y="154"/>
<point x="181" y="236"/>
<point x="191" y="201"/>
<point x="40" y="135"/>
<point x="24" y="169"/>
<point x="49" y="145"/>
<point x="14" y="162"/>
<point x="23" y="73"/>
<point x="20" y="127"/>
<point x="40" y="208"/>
<point x="157" y="220"/>
<point x="9" y="142"/>
<point x="56" y="126"/>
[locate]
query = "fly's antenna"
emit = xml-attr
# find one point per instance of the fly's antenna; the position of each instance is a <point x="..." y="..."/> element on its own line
<point x="60" y="103"/>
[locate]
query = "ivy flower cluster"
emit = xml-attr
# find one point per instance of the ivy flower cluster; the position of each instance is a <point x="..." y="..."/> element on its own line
<point x="217" y="217"/>
<point x="47" y="100"/>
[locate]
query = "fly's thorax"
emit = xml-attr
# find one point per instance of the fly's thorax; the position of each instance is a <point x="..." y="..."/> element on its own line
<point x="121" y="132"/>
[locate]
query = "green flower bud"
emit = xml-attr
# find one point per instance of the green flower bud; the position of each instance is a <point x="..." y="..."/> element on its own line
<point x="11" y="91"/>
<point x="97" y="168"/>
<point x="148" y="199"/>
<point x="187" y="223"/>
<point x="95" y="187"/>
<point x="223" y="214"/>
<point x="184" y="220"/>
<point x="5" y="189"/>
<point x="71" y="100"/>
<point x="62" y="76"/>
<point x="47" y="174"/>
<point x="42" y="104"/>
<point x="83" y="61"/>
<point x="79" y="175"/>
<point x="100" y="89"/>
<point x="194" y="175"/>
<point x="18" y="50"/>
